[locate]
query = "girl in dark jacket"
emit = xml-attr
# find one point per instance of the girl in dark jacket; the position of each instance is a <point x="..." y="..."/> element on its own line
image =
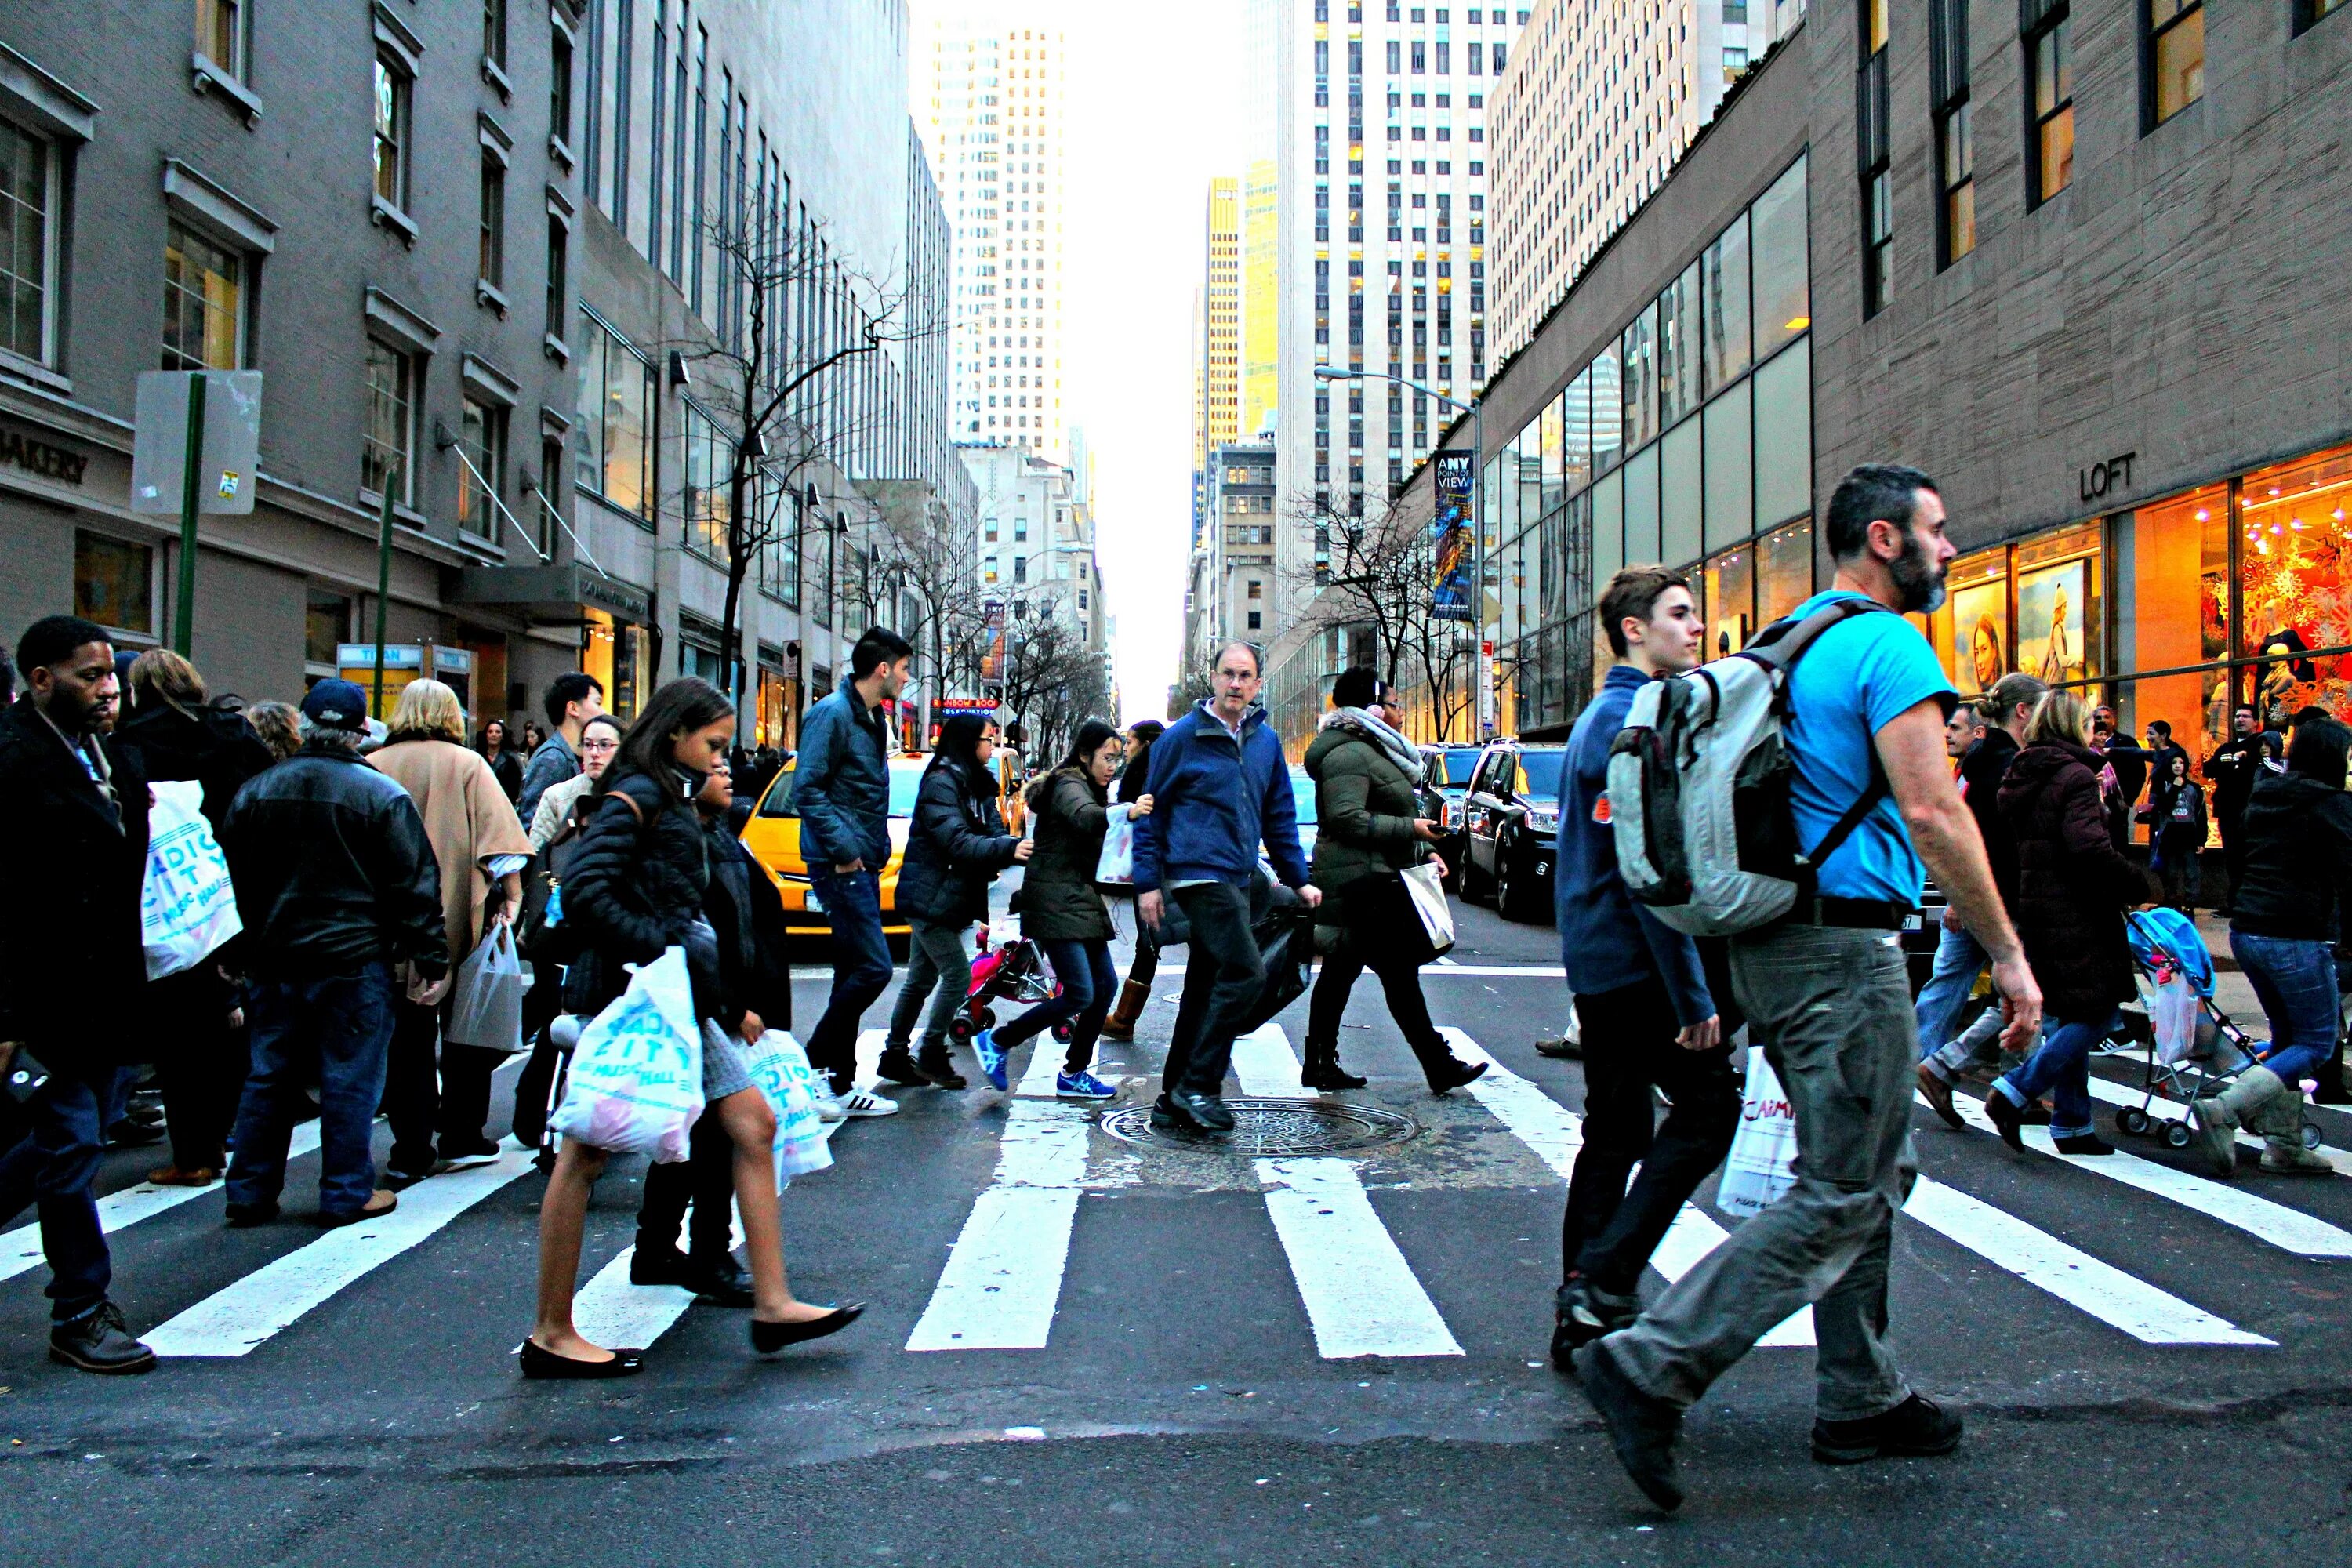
<point x="2175" y="815"/>
<point x="639" y="886"/>
<point x="1063" y="913"/>
<point x="1120" y="1024"/>
<point x="955" y="846"/>
<point x="2290" y="904"/>
<point x="2072" y="887"/>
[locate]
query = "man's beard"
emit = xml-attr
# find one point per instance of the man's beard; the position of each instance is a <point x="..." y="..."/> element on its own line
<point x="1919" y="580"/>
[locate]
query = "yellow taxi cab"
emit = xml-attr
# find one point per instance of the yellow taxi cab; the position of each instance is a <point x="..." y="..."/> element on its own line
<point x="773" y="835"/>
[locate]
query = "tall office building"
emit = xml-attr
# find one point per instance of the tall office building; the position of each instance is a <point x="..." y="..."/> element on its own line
<point x="1380" y="144"/>
<point x="1216" y="410"/>
<point x="991" y="86"/>
<point x="1599" y="101"/>
<point x="1261" y="225"/>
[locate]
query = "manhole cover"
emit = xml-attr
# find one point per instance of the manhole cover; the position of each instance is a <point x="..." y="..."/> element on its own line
<point x="1273" y="1127"/>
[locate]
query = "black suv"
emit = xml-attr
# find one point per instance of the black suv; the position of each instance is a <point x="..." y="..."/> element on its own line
<point x="1438" y="795"/>
<point x="1511" y="813"/>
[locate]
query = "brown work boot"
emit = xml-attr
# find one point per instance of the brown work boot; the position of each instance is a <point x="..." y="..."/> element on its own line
<point x="1120" y="1024"/>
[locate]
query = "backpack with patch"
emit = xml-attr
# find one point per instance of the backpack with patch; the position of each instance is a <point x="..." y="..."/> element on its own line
<point x="1699" y="785"/>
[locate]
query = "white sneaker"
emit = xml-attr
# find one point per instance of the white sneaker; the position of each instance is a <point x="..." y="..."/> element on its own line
<point x="828" y="1109"/>
<point x="864" y="1102"/>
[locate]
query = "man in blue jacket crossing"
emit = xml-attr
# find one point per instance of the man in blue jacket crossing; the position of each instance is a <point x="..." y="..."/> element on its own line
<point x="1221" y="787"/>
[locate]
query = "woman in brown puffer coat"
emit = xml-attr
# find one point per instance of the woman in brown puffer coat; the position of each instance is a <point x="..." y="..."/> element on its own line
<point x="2072" y="888"/>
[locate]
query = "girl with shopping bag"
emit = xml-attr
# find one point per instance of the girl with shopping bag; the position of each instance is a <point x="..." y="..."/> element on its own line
<point x="637" y="891"/>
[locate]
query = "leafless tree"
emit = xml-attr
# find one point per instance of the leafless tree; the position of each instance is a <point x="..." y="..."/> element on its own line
<point x="1379" y="580"/>
<point x="1053" y="681"/>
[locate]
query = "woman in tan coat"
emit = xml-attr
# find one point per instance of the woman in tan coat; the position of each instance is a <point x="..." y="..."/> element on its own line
<point x="479" y="844"/>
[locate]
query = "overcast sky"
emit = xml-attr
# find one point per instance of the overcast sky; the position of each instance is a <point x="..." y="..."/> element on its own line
<point x="1155" y="112"/>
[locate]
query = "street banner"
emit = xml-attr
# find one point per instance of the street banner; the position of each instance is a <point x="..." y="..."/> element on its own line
<point x="1449" y="538"/>
<point x="991" y="662"/>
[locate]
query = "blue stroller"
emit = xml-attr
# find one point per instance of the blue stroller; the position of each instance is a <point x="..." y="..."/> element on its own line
<point x="2193" y="1047"/>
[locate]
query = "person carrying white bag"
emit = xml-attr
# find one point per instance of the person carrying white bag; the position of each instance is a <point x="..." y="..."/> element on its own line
<point x="636" y="895"/>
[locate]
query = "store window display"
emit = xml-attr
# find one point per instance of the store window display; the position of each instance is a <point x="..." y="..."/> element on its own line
<point x="2294" y="601"/>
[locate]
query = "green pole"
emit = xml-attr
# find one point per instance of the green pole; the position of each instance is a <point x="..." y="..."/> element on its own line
<point x="191" y="495"/>
<point x="382" y="581"/>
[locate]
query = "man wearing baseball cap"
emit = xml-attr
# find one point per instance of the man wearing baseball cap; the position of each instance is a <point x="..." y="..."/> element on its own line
<point x="336" y="883"/>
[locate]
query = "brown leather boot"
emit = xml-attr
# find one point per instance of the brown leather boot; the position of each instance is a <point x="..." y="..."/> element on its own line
<point x="1120" y="1024"/>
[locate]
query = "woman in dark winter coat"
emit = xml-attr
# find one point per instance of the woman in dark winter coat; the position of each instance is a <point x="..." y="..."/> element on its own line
<point x="1120" y="1024"/>
<point x="637" y="887"/>
<point x="2175" y="815"/>
<point x="505" y="766"/>
<point x="1364" y="771"/>
<point x="2072" y="888"/>
<point x="955" y="848"/>
<point x="2289" y="914"/>
<point x="1062" y="911"/>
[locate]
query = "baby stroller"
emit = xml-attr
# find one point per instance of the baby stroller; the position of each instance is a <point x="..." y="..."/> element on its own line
<point x="1015" y="970"/>
<point x="2193" y="1047"/>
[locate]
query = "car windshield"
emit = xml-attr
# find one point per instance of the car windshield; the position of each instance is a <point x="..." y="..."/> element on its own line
<point x="906" y="781"/>
<point x="1302" y="792"/>
<point x="1459" y="762"/>
<point x="1541" y="770"/>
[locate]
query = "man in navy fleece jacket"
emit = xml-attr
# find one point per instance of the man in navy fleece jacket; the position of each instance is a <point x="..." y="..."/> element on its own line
<point x="1641" y="994"/>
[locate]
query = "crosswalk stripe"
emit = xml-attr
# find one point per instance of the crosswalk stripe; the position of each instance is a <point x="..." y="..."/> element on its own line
<point x="2140" y="1310"/>
<point x="236" y="1320"/>
<point x="2164" y="1110"/>
<point x="2257" y="1216"/>
<point x="20" y="1249"/>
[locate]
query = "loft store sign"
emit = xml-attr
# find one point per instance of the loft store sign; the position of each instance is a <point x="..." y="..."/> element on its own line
<point x="37" y="456"/>
<point x="2103" y="479"/>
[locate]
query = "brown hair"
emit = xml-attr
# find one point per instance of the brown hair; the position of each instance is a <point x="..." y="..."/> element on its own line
<point x="1635" y="592"/>
<point x="159" y="674"/>
<point x="279" y="726"/>
<point x="2058" y="719"/>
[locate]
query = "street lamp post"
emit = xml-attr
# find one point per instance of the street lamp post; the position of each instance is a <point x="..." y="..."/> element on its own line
<point x="1485" y="678"/>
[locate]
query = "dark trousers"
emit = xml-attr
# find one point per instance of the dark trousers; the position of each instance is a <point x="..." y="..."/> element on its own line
<point x="202" y="1072"/>
<point x="1400" y="978"/>
<point x="337" y="1031"/>
<point x="1146" y="964"/>
<point x="540" y="1004"/>
<point x="1223" y="973"/>
<point x="705" y="1178"/>
<point x="1608" y="1233"/>
<point x="1087" y="979"/>
<point x="419" y="1102"/>
<point x="2233" y="854"/>
<point x="861" y="969"/>
<point x="54" y="1166"/>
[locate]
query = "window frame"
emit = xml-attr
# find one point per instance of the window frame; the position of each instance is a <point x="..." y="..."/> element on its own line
<point x="490" y="257"/>
<point x="489" y="454"/>
<point x="390" y="68"/>
<point x="176" y="231"/>
<point x="2056" y="20"/>
<point x="410" y="388"/>
<point x="1952" y="108"/>
<point x="237" y="60"/>
<point x="2309" y="14"/>
<point x="52" y="201"/>
<point x="2151" y="43"/>
<point x="1874" y="155"/>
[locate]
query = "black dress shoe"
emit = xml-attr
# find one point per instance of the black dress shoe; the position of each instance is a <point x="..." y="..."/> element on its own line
<point x="1567" y="1048"/>
<point x="941" y="1071"/>
<point x="245" y="1216"/>
<point x="1453" y="1073"/>
<point x="1580" y="1315"/>
<point x="100" y="1341"/>
<point x="898" y="1066"/>
<point x="540" y="1362"/>
<point x="768" y="1338"/>
<point x="1193" y="1108"/>
<point x="1642" y="1428"/>
<point x="1916" y="1427"/>
<point x="657" y="1266"/>
<point x="718" y="1282"/>
<point x="2002" y="1112"/>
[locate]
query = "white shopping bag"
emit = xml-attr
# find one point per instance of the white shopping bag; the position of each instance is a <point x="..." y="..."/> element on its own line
<point x="1117" y="866"/>
<point x="781" y="1067"/>
<point x="486" y="1003"/>
<point x="2172" y="1016"/>
<point x="636" y="1083"/>
<point x="1763" y="1159"/>
<point x="187" y="906"/>
<point x="1425" y="887"/>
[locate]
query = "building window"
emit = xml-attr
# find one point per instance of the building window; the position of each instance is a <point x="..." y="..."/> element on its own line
<point x="2176" y="56"/>
<point x="550" y="484"/>
<point x="27" y="263"/>
<point x="203" y="302"/>
<point x="493" y="32"/>
<point x="559" y="250"/>
<point x="1956" y="155"/>
<point x="1874" y="144"/>
<point x="114" y="582"/>
<point x="220" y="35"/>
<point x="559" y="85"/>
<point x="1257" y="617"/>
<point x="326" y="619"/>
<point x="492" y="263"/>
<point x="616" y="398"/>
<point x="2308" y="12"/>
<point x="391" y="86"/>
<point x="389" y="447"/>
<point x="705" y="500"/>
<point x="1957" y="148"/>
<point x="2049" y="62"/>
<point x="482" y="437"/>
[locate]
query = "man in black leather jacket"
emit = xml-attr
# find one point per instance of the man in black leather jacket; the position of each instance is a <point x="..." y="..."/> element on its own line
<point x="336" y="883"/>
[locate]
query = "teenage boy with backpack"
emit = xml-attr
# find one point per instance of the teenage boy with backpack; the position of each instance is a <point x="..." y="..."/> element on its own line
<point x="1825" y="991"/>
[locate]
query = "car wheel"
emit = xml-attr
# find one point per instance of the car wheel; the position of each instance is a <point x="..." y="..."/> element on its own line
<point x="1512" y="900"/>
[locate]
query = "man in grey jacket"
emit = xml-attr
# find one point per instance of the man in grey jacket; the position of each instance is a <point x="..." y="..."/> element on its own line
<point x="841" y="792"/>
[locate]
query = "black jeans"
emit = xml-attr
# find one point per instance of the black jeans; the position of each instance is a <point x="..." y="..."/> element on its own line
<point x="1223" y="973"/>
<point x="1400" y="978"/>
<point x="204" y="1072"/>
<point x="541" y="1004"/>
<point x="706" y="1178"/>
<point x="1608" y="1233"/>
<point x="418" y="1101"/>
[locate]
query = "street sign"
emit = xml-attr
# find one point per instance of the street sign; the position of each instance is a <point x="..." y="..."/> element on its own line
<point x="232" y="449"/>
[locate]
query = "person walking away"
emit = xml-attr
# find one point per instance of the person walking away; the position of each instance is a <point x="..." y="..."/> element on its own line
<point x="1364" y="771"/>
<point x="75" y="808"/>
<point x="2176" y="831"/>
<point x="1649" y="1014"/>
<point x="2072" y="888"/>
<point x="337" y="886"/>
<point x="640" y="886"/>
<point x="279" y="726"/>
<point x="955" y="846"/>
<point x="1145" y="965"/>
<point x="2297" y="838"/>
<point x="572" y="699"/>
<point x="492" y="741"/>
<point x="1062" y="912"/>
<point x="841" y="788"/>
<point x="1826" y="992"/>
<point x="2234" y="767"/>
<point x="1220" y="787"/>
<point x="481" y="850"/>
<point x="600" y="738"/>
<point x="178" y="736"/>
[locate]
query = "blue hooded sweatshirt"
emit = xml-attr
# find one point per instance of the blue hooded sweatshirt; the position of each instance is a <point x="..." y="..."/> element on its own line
<point x="1213" y="802"/>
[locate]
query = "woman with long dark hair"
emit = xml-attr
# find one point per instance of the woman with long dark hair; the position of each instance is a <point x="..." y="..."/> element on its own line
<point x="1120" y="1024"/>
<point x="1062" y="911"/>
<point x="955" y="846"/>
<point x="638" y="887"/>
<point x="490" y="739"/>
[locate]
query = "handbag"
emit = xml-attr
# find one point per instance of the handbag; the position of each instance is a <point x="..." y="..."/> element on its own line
<point x="1426" y="891"/>
<point x="1762" y="1164"/>
<point x="187" y="906"/>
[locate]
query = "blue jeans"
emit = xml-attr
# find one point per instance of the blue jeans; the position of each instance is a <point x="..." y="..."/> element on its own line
<point x="54" y="1166"/>
<point x="2296" y="983"/>
<point x="1960" y="959"/>
<point x="340" y="1028"/>
<point x="2059" y="1068"/>
<point x="1089" y="980"/>
<point x="861" y="968"/>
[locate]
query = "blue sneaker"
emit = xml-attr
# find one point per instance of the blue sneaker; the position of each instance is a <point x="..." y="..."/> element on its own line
<point x="1082" y="1086"/>
<point x="991" y="1060"/>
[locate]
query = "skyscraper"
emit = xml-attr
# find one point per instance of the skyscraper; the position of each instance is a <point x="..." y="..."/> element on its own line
<point x="1216" y="413"/>
<point x="990" y="98"/>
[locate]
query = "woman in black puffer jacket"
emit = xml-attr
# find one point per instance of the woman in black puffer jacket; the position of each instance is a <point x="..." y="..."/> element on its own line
<point x="638" y="887"/>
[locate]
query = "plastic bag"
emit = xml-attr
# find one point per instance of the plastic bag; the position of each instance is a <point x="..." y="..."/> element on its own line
<point x="486" y="1004"/>
<point x="1117" y="865"/>
<point x="636" y="1083"/>
<point x="187" y="906"/>
<point x="1426" y="889"/>
<point x="781" y="1067"/>
<point x="2172" y="1014"/>
<point x="1762" y="1163"/>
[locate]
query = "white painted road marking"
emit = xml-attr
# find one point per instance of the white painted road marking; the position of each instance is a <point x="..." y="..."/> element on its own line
<point x="2164" y="1110"/>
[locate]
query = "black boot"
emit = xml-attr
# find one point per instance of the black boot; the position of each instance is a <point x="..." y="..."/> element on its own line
<point x="1322" y="1072"/>
<point x="2330" y="1076"/>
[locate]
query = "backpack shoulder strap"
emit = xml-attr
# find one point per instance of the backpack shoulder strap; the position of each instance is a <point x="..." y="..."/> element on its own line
<point x="1781" y="644"/>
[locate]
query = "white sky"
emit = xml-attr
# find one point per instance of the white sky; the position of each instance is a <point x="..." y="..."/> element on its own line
<point x="1155" y="111"/>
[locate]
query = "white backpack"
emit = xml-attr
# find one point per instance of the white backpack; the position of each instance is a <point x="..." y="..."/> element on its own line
<point x="1699" y="787"/>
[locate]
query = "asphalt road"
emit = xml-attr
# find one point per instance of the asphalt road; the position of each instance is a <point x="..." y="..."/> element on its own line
<point x="2153" y="1367"/>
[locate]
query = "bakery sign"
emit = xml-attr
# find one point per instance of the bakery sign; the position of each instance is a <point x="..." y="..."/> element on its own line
<point x="35" y="455"/>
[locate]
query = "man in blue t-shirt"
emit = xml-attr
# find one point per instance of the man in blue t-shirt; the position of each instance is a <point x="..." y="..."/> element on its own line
<point x="1827" y="995"/>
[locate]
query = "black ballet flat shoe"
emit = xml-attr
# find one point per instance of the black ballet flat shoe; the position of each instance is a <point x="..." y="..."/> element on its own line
<point x="539" y="1361"/>
<point x="768" y="1338"/>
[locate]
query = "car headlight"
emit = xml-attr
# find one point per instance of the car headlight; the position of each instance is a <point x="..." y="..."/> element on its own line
<point x="1543" y="819"/>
